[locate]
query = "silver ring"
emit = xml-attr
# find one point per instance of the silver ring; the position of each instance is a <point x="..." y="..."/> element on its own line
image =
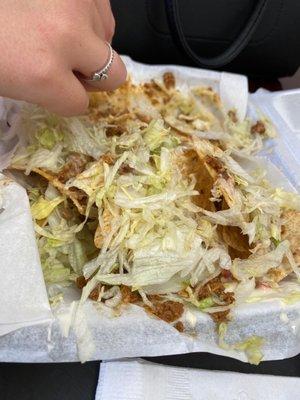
<point x="102" y="73"/>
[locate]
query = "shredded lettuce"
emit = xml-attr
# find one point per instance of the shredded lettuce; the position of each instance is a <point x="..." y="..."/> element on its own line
<point x="48" y="138"/>
<point x="55" y="272"/>
<point x="256" y="266"/>
<point x="44" y="158"/>
<point x="205" y="303"/>
<point x="251" y="346"/>
<point x="287" y="200"/>
<point x="42" y="207"/>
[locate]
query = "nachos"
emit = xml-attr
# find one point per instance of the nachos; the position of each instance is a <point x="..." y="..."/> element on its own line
<point x="145" y="200"/>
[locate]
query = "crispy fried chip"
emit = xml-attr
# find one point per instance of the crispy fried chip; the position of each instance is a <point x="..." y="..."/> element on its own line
<point x="208" y="95"/>
<point x="183" y="124"/>
<point x="233" y="237"/>
<point x="237" y="254"/>
<point x="279" y="273"/>
<point x="193" y="165"/>
<point x="291" y="232"/>
<point x="76" y="196"/>
<point x="104" y="229"/>
<point x="211" y="154"/>
<point x="75" y="164"/>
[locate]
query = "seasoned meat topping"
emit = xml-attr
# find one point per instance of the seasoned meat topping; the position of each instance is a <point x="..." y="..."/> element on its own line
<point x="94" y="295"/>
<point x="259" y="127"/>
<point x="81" y="282"/>
<point x="168" y="311"/>
<point x="128" y="296"/>
<point x="169" y="80"/>
<point x="214" y="163"/>
<point x="221" y="316"/>
<point x="232" y="116"/>
<point x="74" y="166"/>
<point x="179" y="326"/>
<point x="217" y="288"/>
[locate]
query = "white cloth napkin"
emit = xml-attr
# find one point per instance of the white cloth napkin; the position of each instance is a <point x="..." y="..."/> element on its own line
<point x="140" y="380"/>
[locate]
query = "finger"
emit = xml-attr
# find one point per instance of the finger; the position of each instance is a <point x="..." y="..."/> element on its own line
<point x="94" y="56"/>
<point x="106" y="21"/>
<point x="67" y="96"/>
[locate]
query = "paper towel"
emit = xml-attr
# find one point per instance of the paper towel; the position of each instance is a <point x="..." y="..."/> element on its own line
<point x="23" y="297"/>
<point x="141" y="380"/>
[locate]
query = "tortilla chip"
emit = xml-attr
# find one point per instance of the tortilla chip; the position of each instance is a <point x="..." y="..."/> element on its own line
<point x="156" y="92"/>
<point x="208" y="95"/>
<point x="291" y="232"/>
<point x="103" y="230"/>
<point x="193" y="165"/>
<point x="233" y="237"/>
<point x="237" y="254"/>
<point x="74" y="194"/>
<point x="109" y="105"/>
<point x="180" y="125"/>
<point x="279" y="273"/>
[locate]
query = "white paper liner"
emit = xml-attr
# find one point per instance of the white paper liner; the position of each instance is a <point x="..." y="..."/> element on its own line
<point x="23" y="297"/>
<point x="141" y="380"/>
<point x="98" y="335"/>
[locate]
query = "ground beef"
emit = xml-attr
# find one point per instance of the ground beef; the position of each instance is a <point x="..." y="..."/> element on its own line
<point x="125" y="169"/>
<point x="221" y="316"/>
<point x="79" y="195"/>
<point x="179" y="326"/>
<point x="259" y="128"/>
<point x="232" y="116"/>
<point x="74" y="166"/>
<point x="225" y="175"/>
<point x="66" y="213"/>
<point x="215" y="287"/>
<point x="94" y="295"/>
<point x="149" y="90"/>
<point x="226" y="274"/>
<point x="214" y="163"/>
<point x="81" y="282"/>
<point x="143" y="117"/>
<point x="154" y="297"/>
<point x="168" y="311"/>
<point x="169" y="80"/>
<point x="114" y="131"/>
<point x="128" y="296"/>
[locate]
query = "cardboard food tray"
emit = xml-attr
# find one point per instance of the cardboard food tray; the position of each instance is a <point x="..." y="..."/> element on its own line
<point x="32" y="333"/>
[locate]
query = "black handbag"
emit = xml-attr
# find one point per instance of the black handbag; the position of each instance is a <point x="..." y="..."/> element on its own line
<point x="260" y="38"/>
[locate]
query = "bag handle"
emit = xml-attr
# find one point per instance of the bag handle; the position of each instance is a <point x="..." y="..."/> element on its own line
<point x="234" y="48"/>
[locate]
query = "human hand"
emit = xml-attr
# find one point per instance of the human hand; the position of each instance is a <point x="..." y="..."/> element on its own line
<point x="47" y="45"/>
